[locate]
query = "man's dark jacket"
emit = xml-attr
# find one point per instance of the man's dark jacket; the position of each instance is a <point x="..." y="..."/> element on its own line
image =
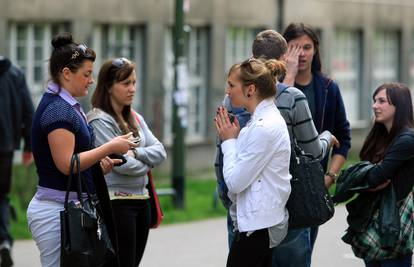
<point x="330" y="114"/>
<point x="16" y="108"/>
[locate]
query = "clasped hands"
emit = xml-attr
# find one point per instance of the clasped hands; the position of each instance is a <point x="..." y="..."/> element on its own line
<point x="225" y="128"/>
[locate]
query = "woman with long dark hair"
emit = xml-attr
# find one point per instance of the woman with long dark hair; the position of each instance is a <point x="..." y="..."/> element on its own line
<point x="113" y="116"/>
<point x="390" y="145"/>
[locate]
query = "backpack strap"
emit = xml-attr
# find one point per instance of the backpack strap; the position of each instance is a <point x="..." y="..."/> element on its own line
<point x="280" y="88"/>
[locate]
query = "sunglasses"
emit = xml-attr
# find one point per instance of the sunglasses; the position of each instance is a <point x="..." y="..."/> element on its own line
<point x="120" y="62"/>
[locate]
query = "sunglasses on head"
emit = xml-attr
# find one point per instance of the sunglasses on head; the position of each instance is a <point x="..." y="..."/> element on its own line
<point x="119" y="62"/>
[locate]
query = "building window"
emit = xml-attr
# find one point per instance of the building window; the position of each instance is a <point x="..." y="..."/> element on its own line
<point x="30" y="49"/>
<point x="385" y="58"/>
<point x="197" y="59"/>
<point x="239" y="45"/>
<point x="346" y="69"/>
<point x="113" y="41"/>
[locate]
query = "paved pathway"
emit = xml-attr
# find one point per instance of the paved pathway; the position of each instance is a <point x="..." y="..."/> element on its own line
<point x="203" y="244"/>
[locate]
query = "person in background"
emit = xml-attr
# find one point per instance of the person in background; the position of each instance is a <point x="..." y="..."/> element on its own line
<point x="323" y="95"/>
<point x="390" y="145"/>
<point x="16" y="112"/>
<point x="59" y="130"/>
<point x="255" y="166"/>
<point x="113" y="116"/>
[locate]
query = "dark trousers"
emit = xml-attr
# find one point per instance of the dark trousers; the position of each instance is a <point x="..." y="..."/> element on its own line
<point x="250" y="251"/>
<point x="132" y="219"/>
<point x="6" y="161"/>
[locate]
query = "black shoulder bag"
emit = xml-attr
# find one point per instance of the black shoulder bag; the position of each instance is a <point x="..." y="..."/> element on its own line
<point x="309" y="203"/>
<point x="84" y="238"/>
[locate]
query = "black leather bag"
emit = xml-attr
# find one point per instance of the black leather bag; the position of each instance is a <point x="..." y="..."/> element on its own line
<point x="84" y="238"/>
<point x="309" y="202"/>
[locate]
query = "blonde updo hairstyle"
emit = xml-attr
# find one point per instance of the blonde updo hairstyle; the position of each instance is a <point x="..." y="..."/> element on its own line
<point x="260" y="72"/>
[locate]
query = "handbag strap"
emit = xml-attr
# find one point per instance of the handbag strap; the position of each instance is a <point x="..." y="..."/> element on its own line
<point x="80" y="181"/>
<point x="136" y="116"/>
<point x="70" y="179"/>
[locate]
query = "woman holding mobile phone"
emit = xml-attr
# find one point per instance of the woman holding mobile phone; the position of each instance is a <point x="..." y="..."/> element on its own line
<point x="60" y="130"/>
<point x="113" y="116"/>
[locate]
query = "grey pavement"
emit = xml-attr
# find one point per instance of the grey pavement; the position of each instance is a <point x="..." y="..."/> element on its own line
<point x="204" y="244"/>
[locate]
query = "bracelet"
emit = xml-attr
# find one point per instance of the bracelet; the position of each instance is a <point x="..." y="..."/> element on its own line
<point x="332" y="175"/>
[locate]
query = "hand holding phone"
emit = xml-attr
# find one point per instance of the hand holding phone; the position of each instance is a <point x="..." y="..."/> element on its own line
<point x="117" y="156"/>
<point x="136" y="140"/>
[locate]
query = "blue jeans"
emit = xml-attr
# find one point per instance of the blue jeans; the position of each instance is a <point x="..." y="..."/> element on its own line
<point x="230" y="233"/>
<point x="294" y="251"/>
<point x="403" y="261"/>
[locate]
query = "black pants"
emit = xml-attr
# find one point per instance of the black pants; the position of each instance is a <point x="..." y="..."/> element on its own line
<point x="250" y="251"/>
<point x="132" y="218"/>
<point x="6" y="161"/>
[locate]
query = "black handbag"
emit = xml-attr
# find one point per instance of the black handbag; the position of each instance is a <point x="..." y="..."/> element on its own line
<point x="84" y="238"/>
<point x="309" y="203"/>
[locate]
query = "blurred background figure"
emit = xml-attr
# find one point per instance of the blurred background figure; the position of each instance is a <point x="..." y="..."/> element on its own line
<point x="16" y="112"/>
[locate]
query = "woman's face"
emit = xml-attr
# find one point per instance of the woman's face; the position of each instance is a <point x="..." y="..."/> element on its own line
<point x="81" y="79"/>
<point x="234" y="90"/>
<point x="122" y="93"/>
<point x="307" y="51"/>
<point x="384" y="111"/>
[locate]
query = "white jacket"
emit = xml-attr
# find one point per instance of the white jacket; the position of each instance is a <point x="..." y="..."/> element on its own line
<point x="256" y="169"/>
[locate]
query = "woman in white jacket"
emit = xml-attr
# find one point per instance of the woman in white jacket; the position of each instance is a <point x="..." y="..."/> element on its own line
<point x="256" y="162"/>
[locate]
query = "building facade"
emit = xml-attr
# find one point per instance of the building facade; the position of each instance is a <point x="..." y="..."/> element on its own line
<point x="364" y="43"/>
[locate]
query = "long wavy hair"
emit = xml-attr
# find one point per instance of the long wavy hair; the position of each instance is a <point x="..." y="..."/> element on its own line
<point x="111" y="72"/>
<point x="379" y="139"/>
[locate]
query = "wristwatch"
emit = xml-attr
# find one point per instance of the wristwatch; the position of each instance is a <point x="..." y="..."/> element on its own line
<point x="332" y="175"/>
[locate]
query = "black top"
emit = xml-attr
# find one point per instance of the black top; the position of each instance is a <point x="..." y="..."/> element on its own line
<point x="54" y="113"/>
<point x="16" y="108"/>
<point x="397" y="165"/>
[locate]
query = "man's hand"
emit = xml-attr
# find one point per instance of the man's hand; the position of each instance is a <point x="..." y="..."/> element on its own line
<point x="27" y="158"/>
<point x="380" y="187"/>
<point x="292" y="63"/>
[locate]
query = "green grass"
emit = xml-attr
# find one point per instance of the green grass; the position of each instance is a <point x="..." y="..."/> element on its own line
<point x="199" y="198"/>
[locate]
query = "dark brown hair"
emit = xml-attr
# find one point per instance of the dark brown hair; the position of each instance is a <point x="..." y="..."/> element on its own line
<point x="296" y="30"/>
<point x="379" y="139"/>
<point x="262" y="73"/>
<point x="269" y="44"/>
<point x="67" y="53"/>
<point x="111" y="72"/>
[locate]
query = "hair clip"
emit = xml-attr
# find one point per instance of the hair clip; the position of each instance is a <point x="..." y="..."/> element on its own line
<point x="75" y="55"/>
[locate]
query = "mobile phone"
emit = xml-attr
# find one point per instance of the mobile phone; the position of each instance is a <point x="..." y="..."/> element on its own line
<point x="231" y="117"/>
<point x="117" y="156"/>
<point x="136" y="140"/>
